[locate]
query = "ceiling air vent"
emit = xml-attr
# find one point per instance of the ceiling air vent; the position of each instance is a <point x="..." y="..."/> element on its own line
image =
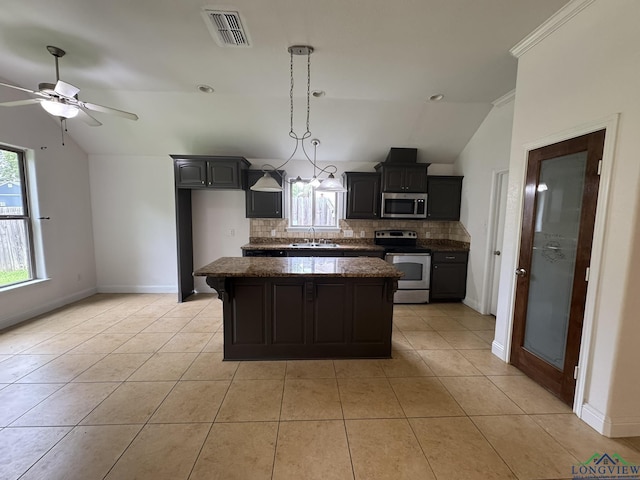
<point x="226" y="28"/>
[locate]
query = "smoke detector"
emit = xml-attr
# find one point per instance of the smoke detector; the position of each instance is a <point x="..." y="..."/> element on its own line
<point x="226" y="27"/>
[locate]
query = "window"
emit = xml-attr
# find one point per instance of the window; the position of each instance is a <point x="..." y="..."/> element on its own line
<point x="310" y="208"/>
<point x="16" y="252"/>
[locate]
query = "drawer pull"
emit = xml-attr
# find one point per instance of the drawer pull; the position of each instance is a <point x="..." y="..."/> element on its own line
<point x="450" y="257"/>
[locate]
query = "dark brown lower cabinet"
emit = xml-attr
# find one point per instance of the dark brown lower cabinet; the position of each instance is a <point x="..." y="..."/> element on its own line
<point x="449" y="275"/>
<point x="298" y="318"/>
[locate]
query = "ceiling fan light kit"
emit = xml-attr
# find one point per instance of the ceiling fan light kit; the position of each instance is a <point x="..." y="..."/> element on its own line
<point x="59" y="109"/>
<point x="61" y="99"/>
<point x="333" y="184"/>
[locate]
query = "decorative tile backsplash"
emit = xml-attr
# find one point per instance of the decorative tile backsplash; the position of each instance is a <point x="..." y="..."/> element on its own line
<point x="261" y="228"/>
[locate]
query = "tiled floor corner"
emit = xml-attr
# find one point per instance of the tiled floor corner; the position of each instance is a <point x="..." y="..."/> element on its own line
<point x="134" y="386"/>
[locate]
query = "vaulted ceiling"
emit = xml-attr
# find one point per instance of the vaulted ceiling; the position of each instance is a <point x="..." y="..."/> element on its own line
<point x="378" y="61"/>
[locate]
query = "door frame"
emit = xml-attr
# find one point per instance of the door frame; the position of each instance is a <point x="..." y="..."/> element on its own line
<point x="497" y="179"/>
<point x="610" y="124"/>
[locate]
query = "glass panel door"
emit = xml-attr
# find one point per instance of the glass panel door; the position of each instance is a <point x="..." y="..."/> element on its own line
<point x="555" y="239"/>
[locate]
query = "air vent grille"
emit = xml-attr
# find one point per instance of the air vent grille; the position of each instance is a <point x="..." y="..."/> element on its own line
<point x="226" y="28"/>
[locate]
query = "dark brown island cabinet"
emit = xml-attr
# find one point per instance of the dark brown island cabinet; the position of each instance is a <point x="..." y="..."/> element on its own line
<point x="403" y="178"/>
<point x="304" y="307"/>
<point x="263" y="204"/>
<point x="449" y="275"/>
<point x="444" y="197"/>
<point x="363" y="195"/>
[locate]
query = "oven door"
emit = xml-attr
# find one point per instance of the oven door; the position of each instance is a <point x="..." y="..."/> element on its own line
<point x="416" y="268"/>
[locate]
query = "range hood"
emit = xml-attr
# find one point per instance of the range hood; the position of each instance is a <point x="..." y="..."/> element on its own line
<point x="402" y="155"/>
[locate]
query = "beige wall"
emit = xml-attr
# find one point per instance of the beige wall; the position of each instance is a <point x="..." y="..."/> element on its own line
<point x="586" y="71"/>
<point x="486" y="154"/>
<point x="59" y="177"/>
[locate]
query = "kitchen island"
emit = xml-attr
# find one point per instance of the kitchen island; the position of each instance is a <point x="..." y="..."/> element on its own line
<point x="304" y="307"/>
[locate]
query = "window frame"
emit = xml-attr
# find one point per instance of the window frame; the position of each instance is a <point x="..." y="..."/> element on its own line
<point x="304" y="228"/>
<point x="25" y="217"/>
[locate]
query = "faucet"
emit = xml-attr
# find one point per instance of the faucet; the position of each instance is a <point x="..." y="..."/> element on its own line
<point x="313" y="236"/>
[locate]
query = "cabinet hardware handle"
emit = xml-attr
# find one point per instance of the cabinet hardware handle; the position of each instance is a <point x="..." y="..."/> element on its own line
<point x="450" y="257"/>
<point x="202" y="182"/>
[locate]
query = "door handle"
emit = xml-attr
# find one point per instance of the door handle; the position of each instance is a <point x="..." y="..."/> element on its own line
<point x="521" y="272"/>
<point x="497" y="252"/>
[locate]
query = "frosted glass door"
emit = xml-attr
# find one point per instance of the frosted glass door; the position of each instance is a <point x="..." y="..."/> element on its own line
<point x="555" y="239"/>
<point x="558" y="219"/>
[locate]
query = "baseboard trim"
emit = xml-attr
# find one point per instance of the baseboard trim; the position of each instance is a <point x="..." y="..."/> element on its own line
<point x="46" y="307"/>
<point x="498" y="350"/>
<point x="137" y="289"/>
<point x="614" y="428"/>
<point x="472" y="304"/>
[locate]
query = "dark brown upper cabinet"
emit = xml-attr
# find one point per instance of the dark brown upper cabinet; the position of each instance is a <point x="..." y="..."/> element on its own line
<point x="263" y="204"/>
<point x="444" y="197"/>
<point x="404" y="178"/>
<point x="363" y="195"/>
<point x="205" y="171"/>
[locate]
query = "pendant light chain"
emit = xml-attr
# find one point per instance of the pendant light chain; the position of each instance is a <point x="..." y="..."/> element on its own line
<point x="267" y="183"/>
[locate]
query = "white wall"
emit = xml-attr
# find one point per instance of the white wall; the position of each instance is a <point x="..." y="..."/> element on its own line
<point x="60" y="174"/>
<point x="486" y="153"/>
<point x="587" y="70"/>
<point x="219" y="228"/>
<point x="134" y="223"/>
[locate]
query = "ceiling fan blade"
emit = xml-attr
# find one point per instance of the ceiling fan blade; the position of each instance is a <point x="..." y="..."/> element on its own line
<point x="88" y="119"/>
<point x="19" y="88"/>
<point x="20" y="102"/>
<point x="65" y="89"/>
<point x="113" y="111"/>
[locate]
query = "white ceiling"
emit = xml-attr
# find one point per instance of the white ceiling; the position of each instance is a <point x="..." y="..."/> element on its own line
<point x="378" y="61"/>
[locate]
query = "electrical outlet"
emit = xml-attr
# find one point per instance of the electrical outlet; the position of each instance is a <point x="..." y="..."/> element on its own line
<point x="362" y="233"/>
<point x="348" y="233"/>
<point x="273" y="232"/>
<point x="427" y="235"/>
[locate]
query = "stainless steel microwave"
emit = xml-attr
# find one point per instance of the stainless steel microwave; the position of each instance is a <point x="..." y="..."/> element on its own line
<point x="404" y="205"/>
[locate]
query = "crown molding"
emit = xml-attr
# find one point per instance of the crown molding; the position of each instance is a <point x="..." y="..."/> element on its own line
<point x="558" y="19"/>
<point x="503" y="100"/>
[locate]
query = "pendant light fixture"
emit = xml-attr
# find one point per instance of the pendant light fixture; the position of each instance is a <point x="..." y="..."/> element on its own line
<point x="267" y="183"/>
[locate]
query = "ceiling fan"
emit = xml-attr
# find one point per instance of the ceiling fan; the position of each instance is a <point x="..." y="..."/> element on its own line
<point x="61" y="99"/>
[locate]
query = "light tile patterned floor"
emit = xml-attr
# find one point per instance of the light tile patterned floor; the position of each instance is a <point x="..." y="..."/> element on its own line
<point x="134" y="386"/>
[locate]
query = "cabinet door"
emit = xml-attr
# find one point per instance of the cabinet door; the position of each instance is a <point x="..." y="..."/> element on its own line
<point x="263" y="204"/>
<point x="405" y="178"/>
<point x="449" y="275"/>
<point x="443" y="202"/>
<point x="415" y="179"/>
<point x="392" y="179"/>
<point x="224" y="174"/>
<point x="363" y="197"/>
<point x="190" y="173"/>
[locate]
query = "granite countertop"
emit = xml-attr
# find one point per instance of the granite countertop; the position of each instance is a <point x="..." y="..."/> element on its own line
<point x="299" y="266"/>
<point x="289" y="246"/>
<point x="434" y="245"/>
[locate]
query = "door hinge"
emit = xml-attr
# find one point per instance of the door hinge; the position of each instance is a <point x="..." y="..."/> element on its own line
<point x="586" y="275"/>
<point x="575" y="372"/>
<point x="599" y="167"/>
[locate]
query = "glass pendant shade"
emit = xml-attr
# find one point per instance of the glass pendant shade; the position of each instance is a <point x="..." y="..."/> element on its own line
<point x="331" y="184"/>
<point x="59" y="109"/>
<point x="266" y="184"/>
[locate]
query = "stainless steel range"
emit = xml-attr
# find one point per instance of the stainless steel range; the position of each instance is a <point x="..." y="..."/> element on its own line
<point x="402" y="250"/>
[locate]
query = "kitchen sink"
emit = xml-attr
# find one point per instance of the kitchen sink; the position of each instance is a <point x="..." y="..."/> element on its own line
<point x="314" y="245"/>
